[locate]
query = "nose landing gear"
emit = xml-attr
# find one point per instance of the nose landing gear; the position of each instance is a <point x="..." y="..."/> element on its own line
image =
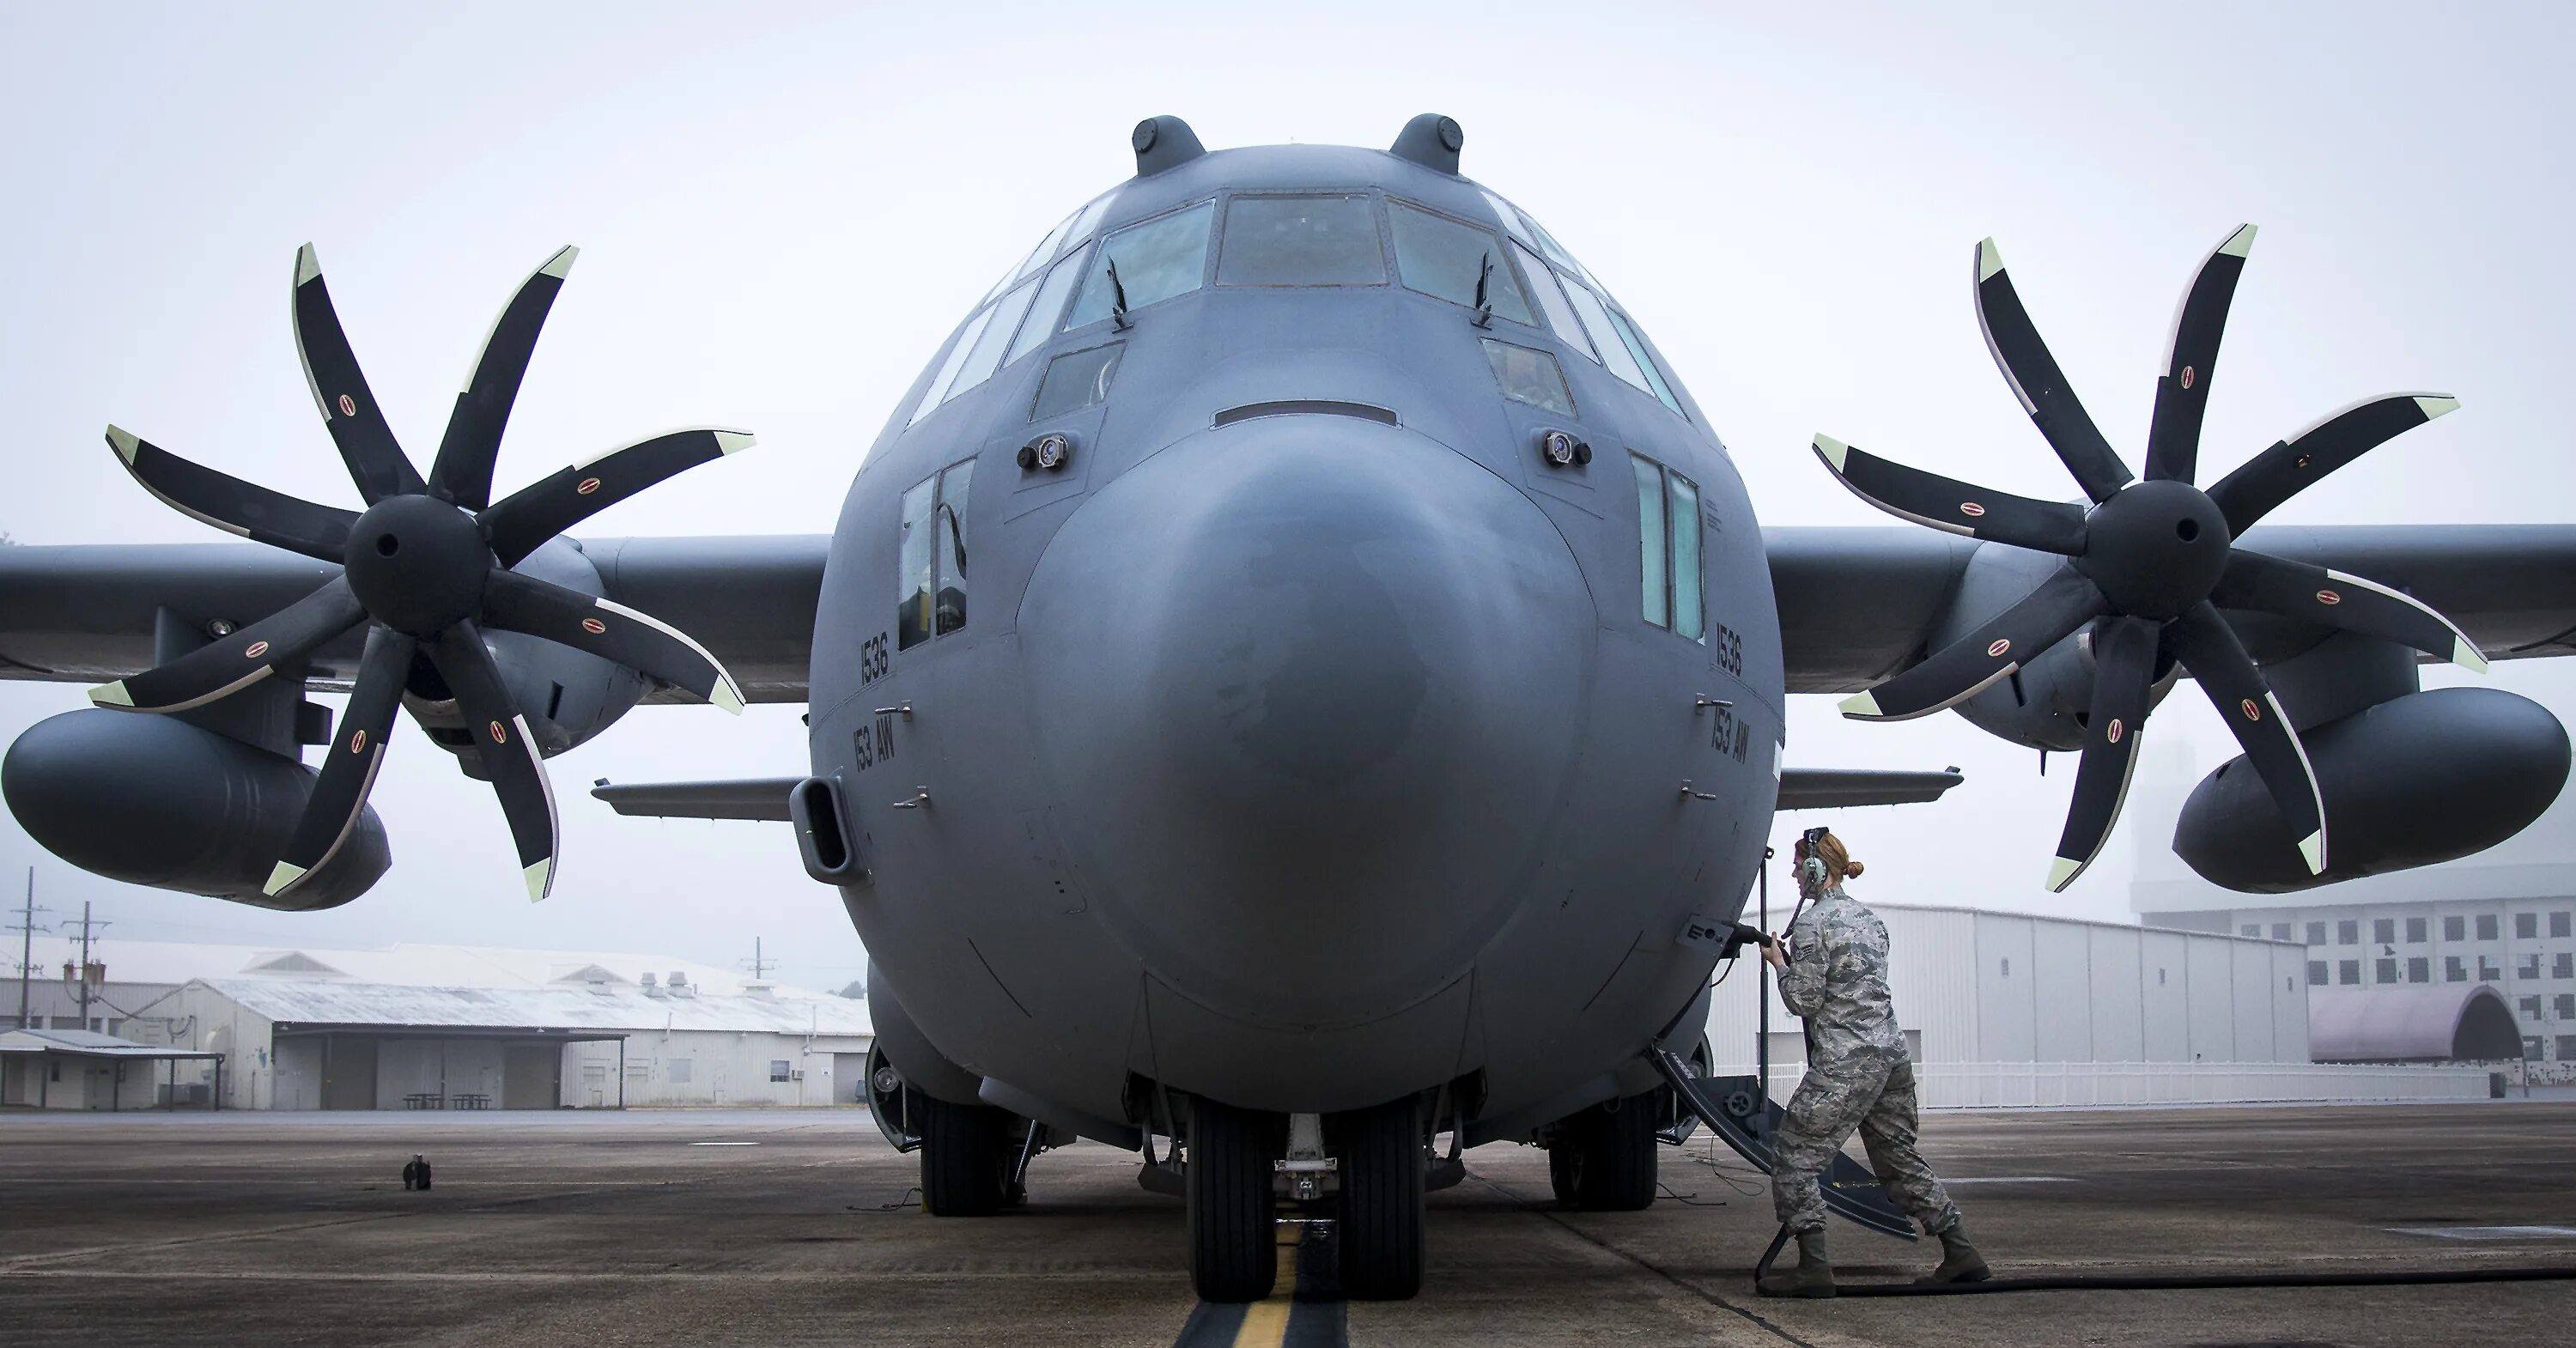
<point x="1246" y="1170"/>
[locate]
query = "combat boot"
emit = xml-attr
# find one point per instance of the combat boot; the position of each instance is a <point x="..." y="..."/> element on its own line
<point x="1813" y="1277"/>
<point x="1960" y="1261"/>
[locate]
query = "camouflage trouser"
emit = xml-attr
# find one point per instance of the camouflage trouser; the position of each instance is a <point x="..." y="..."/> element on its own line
<point x="1877" y="1097"/>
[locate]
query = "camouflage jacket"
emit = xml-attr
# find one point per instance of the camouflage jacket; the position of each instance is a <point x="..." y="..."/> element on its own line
<point x="1837" y="980"/>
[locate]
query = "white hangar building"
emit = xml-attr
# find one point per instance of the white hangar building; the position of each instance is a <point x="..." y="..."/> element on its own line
<point x="464" y="1027"/>
<point x="2007" y="1009"/>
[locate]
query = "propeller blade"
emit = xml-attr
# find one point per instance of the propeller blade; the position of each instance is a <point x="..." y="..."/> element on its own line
<point x="232" y="505"/>
<point x="2182" y="394"/>
<point x="2208" y="647"/>
<point x="2338" y="438"/>
<point x="501" y="737"/>
<point x="526" y="518"/>
<point x="2023" y="357"/>
<point x="357" y="425"/>
<point x="2309" y="593"/>
<point x="462" y="475"/>
<point x="235" y="662"/>
<point x="349" y="772"/>
<point x="611" y="631"/>
<point x="1954" y="507"/>
<point x="1964" y="668"/>
<point x="2124" y="674"/>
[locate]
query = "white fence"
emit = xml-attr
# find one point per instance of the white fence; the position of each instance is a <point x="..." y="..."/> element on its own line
<point x="2024" y="1085"/>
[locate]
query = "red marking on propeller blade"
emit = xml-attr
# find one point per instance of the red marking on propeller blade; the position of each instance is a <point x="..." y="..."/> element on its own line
<point x="588" y="485"/>
<point x="348" y="406"/>
<point x="358" y="741"/>
<point x="2002" y="644"/>
<point x="255" y="650"/>
<point x="1971" y="509"/>
<point x="2186" y="377"/>
<point x="2329" y="598"/>
<point x="2252" y="711"/>
<point x="2114" y="733"/>
<point x="499" y="736"/>
<point x="593" y="626"/>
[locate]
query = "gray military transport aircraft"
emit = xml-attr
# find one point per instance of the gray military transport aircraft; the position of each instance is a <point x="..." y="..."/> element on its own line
<point x="1295" y="680"/>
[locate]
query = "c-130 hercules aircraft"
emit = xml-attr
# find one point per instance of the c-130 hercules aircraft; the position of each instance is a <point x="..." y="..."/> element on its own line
<point x="1297" y="678"/>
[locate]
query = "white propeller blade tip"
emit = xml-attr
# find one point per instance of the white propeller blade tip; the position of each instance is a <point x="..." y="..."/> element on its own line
<point x="2239" y="243"/>
<point x="111" y="695"/>
<point x="541" y="880"/>
<point x="280" y="879"/>
<point x="1989" y="261"/>
<point x="726" y="695"/>
<point x="2436" y="405"/>
<point x="734" y="442"/>
<point x="2061" y="873"/>
<point x="1832" y="451"/>
<point x="560" y="264"/>
<point x="2312" y="849"/>
<point x="124" y="443"/>
<point x="308" y="264"/>
<point x="1860" y="707"/>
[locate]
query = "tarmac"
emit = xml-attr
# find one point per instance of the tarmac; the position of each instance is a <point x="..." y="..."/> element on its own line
<point x="794" y="1227"/>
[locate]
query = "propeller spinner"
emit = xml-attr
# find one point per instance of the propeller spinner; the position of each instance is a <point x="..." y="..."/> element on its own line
<point x="423" y="569"/>
<point x="2149" y="564"/>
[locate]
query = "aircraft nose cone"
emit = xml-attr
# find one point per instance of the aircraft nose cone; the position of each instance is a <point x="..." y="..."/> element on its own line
<point x="1308" y="691"/>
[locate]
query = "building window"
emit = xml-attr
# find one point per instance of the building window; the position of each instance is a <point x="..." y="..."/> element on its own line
<point x="2316" y="973"/>
<point x="2348" y="933"/>
<point x="2453" y="971"/>
<point x="2280" y="931"/>
<point x="2564" y="966"/>
<point x="2418" y="969"/>
<point x="2348" y="972"/>
<point x="2526" y="966"/>
<point x="2563" y="1006"/>
<point x="2526" y="926"/>
<point x="2385" y="971"/>
<point x="2487" y="970"/>
<point x="2316" y="933"/>
<point x="2487" y="926"/>
<point x="2383" y="929"/>
<point x="2558" y="924"/>
<point x="2531" y="1048"/>
<point x="2414" y="931"/>
<point x="931" y="556"/>
<point x="779" y="1069"/>
<point x="2455" y="929"/>
<point x="2250" y="929"/>
<point x="1668" y="547"/>
<point x="2567" y="1048"/>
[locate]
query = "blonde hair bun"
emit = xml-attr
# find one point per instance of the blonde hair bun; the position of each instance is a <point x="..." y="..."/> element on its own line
<point x="1837" y="857"/>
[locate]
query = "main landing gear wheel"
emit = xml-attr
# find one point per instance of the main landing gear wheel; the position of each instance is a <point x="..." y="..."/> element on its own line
<point x="965" y="1157"/>
<point x="1234" y="1252"/>
<point x="1381" y="1201"/>
<point x="1606" y="1159"/>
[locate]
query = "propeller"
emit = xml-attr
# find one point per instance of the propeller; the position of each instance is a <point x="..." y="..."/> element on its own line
<point x="424" y="569"/>
<point x="2149" y="563"/>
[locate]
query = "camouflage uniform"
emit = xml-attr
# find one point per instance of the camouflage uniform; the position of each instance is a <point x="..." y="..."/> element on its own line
<point x="1857" y="1075"/>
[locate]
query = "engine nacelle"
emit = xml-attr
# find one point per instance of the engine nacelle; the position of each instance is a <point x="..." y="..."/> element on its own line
<point x="2422" y="778"/>
<point x="567" y="696"/>
<point x="155" y="800"/>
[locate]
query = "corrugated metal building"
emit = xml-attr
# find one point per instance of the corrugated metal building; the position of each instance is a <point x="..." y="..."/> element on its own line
<point x="463" y="1027"/>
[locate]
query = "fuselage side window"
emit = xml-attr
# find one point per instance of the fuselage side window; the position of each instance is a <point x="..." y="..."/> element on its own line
<point x="1668" y="549"/>
<point x="1076" y="380"/>
<point x="1048" y="306"/>
<point x="1551" y="297"/>
<point x="914" y="579"/>
<point x="930" y="558"/>
<point x="1301" y="241"/>
<point x="1153" y="261"/>
<point x="1529" y="376"/>
<point x="1455" y="261"/>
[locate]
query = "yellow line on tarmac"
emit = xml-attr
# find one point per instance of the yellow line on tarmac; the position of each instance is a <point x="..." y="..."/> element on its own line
<point x="1265" y="1323"/>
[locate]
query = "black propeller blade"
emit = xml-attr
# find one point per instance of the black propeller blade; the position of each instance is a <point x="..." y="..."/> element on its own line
<point x="2153" y="560"/>
<point x="426" y="563"/>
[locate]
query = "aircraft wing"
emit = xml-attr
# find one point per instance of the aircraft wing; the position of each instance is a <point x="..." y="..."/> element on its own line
<point x="1859" y="604"/>
<point x="86" y="614"/>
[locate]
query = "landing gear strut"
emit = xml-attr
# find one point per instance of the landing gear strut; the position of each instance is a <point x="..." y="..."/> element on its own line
<point x="1604" y="1157"/>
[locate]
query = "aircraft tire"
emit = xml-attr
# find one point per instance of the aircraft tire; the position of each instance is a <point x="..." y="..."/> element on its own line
<point x="1233" y="1239"/>
<point x="963" y="1161"/>
<point x="1560" y="1172"/>
<point x="1380" y="1230"/>
<point x="1614" y="1155"/>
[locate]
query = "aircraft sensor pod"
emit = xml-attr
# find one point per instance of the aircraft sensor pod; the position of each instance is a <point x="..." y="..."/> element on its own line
<point x="1561" y="449"/>
<point x="1049" y="451"/>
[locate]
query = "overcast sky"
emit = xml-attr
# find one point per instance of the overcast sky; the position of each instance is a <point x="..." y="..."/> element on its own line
<point x="781" y="216"/>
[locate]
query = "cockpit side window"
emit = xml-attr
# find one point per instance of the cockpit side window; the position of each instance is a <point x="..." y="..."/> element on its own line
<point x="1076" y="380"/>
<point x="930" y="588"/>
<point x="1301" y="241"/>
<point x="1551" y="297"/>
<point x="1529" y="376"/>
<point x="1153" y="262"/>
<point x="1455" y="261"/>
<point x="1668" y="551"/>
<point x="967" y="337"/>
<point x="1602" y="331"/>
<point x="1047" y="307"/>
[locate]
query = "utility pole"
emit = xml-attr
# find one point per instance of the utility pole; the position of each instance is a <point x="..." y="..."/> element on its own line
<point x="27" y="945"/>
<point x="84" y="963"/>
<point x="760" y="967"/>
